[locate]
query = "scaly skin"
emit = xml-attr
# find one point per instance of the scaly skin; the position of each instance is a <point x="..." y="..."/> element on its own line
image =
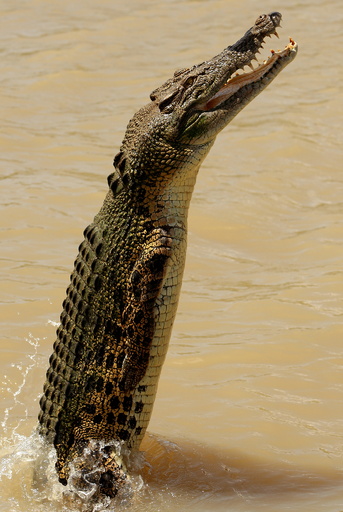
<point x="121" y="302"/>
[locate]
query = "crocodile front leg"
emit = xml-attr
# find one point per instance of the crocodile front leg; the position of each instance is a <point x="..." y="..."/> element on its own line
<point x="145" y="284"/>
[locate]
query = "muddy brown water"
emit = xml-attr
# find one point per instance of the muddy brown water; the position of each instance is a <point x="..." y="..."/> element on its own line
<point x="249" y="410"/>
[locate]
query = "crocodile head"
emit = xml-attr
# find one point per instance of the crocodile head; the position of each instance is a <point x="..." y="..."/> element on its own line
<point x="204" y="98"/>
<point x="193" y="106"/>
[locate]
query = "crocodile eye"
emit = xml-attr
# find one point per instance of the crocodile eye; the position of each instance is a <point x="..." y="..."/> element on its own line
<point x="189" y="81"/>
<point x="166" y="102"/>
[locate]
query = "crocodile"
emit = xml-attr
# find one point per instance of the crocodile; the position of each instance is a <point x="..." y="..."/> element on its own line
<point x="123" y="293"/>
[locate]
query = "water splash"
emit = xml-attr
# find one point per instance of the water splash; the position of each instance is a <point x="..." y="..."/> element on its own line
<point x="14" y="390"/>
<point x="86" y="474"/>
<point x="28" y="481"/>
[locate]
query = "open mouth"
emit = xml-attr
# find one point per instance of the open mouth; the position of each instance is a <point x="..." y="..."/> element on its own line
<point x="265" y="70"/>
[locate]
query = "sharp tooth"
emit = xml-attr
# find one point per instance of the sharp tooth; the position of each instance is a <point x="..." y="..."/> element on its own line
<point x="276" y="34"/>
<point x="269" y="35"/>
<point x="251" y="66"/>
